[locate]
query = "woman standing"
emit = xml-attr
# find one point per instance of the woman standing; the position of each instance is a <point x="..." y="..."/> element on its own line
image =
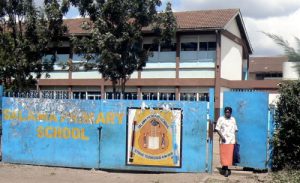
<point x="226" y="128"/>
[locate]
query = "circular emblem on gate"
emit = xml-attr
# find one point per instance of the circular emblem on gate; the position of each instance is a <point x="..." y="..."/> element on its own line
<point x="153" y="136"/>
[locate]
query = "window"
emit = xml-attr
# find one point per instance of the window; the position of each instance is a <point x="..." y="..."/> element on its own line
<point x="94" y="95"/>
<point x="262" y="76"/>
<point x="194" y="97"/>
<point x="151" y="47"/>
<point x="63" y="54"/>
<point x="188" y="96"/>
<point x="130" y="96"/>
<point x="203" y="46"/>
<point x="149" y="96"/>
<point x="167" y="96"/>
<point x="113" y="96"/>
<point x="79" y="95"/>
<point x="207" y="46"/>
<point x="203" y="97"/>
<point x="190" y="46"/>
<point x="63" y="50"/>
<point x="124" y="96"/>
<point x="77" y="57"/>
<point x="55" y="94"/>
<point x="212" y="46"/>
<point x="165" y="48"/>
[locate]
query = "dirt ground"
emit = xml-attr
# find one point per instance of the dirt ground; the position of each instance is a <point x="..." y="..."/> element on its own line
<point x="10" y="173"/>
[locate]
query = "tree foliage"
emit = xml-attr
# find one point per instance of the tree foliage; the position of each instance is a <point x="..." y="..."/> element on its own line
<point x="168" y="23"/>
<point x="287" y="136"/>
<point x="26" y="34"/>
<point x="114" y="46"/>
<point x="292" y="53"/>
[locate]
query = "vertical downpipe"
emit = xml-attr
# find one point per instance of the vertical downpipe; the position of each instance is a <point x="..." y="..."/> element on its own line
<point x="207" y="169"/>
<point x="99" y="132"/>
<point x="211" y="115"/>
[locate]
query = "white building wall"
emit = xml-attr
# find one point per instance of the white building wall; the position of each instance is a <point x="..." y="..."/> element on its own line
<point x="231" y="59"/>
<point x="197" y="73"/>
<point x="222" y="90"/>
<point x="273" y="98"/>
<point x="158" y="73"/>
<point x="290" y="71"/>
<point x="134" y="75"/>
<point x="86" y="75"/>
<point x="232" y="27"/>
<point x="56" y="75"/>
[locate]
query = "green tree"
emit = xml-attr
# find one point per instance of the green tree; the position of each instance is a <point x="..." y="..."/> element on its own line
<point x="26" y="35"/>
<point x="114" y="46"/>
<point x="287" y="134"/>
<point x="167" y="21"/>
<point x="292" y="53"/>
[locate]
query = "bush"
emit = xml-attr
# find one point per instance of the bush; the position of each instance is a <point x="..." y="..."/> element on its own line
<point x="292" y="176"/>
<point x="287" y="134"/>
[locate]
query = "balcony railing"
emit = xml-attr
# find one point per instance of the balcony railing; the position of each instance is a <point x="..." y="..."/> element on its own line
<point x="185" y="56"/>
<point x="197" y="56"/>
<point x="156" y="56"/>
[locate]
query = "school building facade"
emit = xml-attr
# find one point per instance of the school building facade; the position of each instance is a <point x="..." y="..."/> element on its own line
<point x="211" y="50"/>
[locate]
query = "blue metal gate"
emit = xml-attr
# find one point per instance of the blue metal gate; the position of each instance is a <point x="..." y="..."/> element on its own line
<point x="108" y="134"/>
<point x="254" y="120"/>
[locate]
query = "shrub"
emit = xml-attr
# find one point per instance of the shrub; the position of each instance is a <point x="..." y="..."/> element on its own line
<point x="287" y="134"/>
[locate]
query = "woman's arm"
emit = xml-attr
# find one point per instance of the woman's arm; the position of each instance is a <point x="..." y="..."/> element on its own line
<point x="221" y="136"/>
<point x="218" y="127"/>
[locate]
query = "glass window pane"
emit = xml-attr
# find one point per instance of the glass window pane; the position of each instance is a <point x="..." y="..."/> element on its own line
<point x="167" y="96"/>
<point x="191" y="46"/>
<point x="203" y="97"/>
<point x="151" y="47"/>
<point x="171" y="47"/>
<point x="94" y="95"/>
<point x="113" y="96"/>
<point x="79" y="95"/>
<point x="130" y="96"/>
<point x="212" y="46"/>
<point x="63" y="50"/>
<point x="149" y="96"/>
<point x="203" y="46"/>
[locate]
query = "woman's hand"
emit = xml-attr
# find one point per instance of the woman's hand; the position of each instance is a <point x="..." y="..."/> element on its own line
<point x="223" y="140"/>
<point x="221" y="136"/>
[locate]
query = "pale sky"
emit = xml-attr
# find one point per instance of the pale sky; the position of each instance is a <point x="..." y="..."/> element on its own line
<point x="280" y="17"/>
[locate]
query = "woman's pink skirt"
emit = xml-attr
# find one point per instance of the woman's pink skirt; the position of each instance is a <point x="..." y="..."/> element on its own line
<point x="226" y="154"/>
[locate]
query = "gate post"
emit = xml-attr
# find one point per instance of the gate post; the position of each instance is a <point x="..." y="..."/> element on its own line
<point x="271" y="128"/>
<point x="211" y="115"/>
<point x="1" y="94"/>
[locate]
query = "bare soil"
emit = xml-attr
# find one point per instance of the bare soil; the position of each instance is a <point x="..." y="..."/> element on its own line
<point x="11" y="173"/>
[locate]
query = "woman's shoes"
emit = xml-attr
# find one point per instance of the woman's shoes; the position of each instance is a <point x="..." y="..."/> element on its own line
<point x="227" y="172"/>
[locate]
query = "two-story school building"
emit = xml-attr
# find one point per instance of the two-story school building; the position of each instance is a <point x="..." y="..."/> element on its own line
<point x="211" y="50"/>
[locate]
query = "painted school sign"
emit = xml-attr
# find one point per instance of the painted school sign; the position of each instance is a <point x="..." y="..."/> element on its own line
<point x="121" y="135"/>
<point x="81" y="117"/>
